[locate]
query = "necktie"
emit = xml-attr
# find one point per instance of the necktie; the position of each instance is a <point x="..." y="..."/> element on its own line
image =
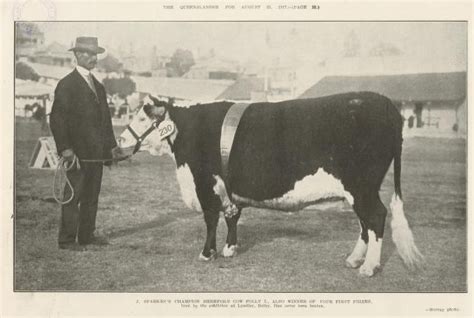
<point x="91" y="84"/>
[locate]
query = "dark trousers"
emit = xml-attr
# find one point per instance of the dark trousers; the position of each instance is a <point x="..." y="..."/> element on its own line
<point x="78" y="216"/>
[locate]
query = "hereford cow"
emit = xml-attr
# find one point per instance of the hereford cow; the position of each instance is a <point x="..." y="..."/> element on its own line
<point x="285" y="156"/>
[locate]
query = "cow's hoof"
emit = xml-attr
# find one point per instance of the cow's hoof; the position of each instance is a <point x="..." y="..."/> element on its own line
<point x="368" y="270"/>
<point x="354" y="263"/>
<point x="207" y="259"/>
<point x="229" y="250"/>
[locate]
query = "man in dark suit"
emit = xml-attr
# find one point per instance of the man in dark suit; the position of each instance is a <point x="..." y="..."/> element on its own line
<point x="81" y="125"/>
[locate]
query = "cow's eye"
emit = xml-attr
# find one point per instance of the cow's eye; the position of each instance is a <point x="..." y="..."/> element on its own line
<point x="142" y="119"/>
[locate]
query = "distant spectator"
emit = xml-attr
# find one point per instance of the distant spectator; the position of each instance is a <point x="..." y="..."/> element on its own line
<point x="418" y="113"/>
<point x="112" y="109"/>
<point x="123" y="110"/>
<point x="411" y="121"/>
<point x="38" y="112"/>
<point x="28" y="110"/>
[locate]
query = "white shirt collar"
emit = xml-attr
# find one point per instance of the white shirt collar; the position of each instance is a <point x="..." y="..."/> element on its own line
<point x="84" y="72"/>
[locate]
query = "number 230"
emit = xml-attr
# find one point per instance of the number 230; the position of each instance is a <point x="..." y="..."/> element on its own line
<point x="165" y="130"/>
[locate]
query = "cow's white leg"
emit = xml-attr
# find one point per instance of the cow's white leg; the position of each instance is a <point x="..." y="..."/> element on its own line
<point x="229" y="208"/>
<point x="229" y="250"/>
<point x="358" y="254"/>
<point x="372" y="259"/>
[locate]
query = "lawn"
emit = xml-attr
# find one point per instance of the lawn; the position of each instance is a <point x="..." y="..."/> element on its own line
<point x="156" y="240"/>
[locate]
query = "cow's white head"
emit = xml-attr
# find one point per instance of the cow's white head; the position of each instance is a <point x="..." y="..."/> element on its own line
<point x="149" y="128"/>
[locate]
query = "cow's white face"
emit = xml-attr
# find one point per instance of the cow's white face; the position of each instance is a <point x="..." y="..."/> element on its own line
<point x="143" y="120"/>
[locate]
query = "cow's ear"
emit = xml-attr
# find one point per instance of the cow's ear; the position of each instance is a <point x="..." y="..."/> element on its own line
<point x="155" y="100"/>
<point x="153" y="111"/>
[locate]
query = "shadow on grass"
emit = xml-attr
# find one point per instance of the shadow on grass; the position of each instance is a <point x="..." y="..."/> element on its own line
<point x="160" y="222"/>
<point x="320" y="228"/>
<point x="47" y="199"/>
<point x="317" y="229"/>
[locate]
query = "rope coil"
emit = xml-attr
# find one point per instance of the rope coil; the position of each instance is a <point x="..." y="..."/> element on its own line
<point x="62" y="170"/>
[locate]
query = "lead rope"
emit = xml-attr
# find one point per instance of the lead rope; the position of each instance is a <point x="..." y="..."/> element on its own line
<point x="62" y="170"/>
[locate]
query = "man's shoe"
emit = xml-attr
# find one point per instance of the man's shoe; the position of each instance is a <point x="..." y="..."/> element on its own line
<point x="99" y="240"/>
<point x="72" y="247"/>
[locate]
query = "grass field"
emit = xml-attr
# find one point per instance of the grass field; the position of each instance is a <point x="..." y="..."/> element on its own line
<point x="155" y="239"/>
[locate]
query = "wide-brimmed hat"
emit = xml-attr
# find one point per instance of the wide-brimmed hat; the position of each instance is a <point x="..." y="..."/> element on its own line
<point x="88" y="44"/>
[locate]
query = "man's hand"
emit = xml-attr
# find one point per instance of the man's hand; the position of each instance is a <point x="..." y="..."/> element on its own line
<point x="68" y="155"/>
<point x="118" y="155"/>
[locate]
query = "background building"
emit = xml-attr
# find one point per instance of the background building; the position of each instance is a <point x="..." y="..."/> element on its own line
<point x="437" y="101"/>
<point x="28" y="39"/>
<point x="53" y="54"/>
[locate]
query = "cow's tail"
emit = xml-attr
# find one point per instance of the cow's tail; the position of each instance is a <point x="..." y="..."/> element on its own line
<point x="401" y="233"/>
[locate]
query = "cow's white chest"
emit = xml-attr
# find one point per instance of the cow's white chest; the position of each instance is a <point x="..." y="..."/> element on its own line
<point x="312" y="189"/>
<point x="188" y="187"/>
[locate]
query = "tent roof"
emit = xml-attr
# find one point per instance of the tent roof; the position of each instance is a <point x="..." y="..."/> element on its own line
<point x="29" y="89"/>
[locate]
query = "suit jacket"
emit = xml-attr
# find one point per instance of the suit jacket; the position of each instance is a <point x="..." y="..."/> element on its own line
<point x="80" y="120"/>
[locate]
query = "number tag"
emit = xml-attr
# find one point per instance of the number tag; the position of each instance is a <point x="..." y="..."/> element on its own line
<point x="165" y="128"/>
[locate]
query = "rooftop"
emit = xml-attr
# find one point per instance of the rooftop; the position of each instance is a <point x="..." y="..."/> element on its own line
<point x="416" y="87"/>
<point x="242" y="89"/>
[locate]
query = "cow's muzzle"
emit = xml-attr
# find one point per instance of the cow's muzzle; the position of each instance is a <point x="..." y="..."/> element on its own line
<point x="140" y="139"/>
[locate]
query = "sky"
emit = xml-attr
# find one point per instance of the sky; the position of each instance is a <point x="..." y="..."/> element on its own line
<point x="440" y="42"/>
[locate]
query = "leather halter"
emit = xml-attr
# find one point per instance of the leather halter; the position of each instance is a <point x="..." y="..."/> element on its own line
<point x="141" y="138"/>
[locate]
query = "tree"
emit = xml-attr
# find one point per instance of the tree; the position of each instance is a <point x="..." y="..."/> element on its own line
<point x="109" y="64"/>
<point x="25" y="72"/>
<point x="180" y="63"/>
<point x="123" y="86"/>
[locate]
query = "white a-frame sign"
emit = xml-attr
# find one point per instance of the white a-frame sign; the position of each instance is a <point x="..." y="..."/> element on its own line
<point x="45" y="154"/>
